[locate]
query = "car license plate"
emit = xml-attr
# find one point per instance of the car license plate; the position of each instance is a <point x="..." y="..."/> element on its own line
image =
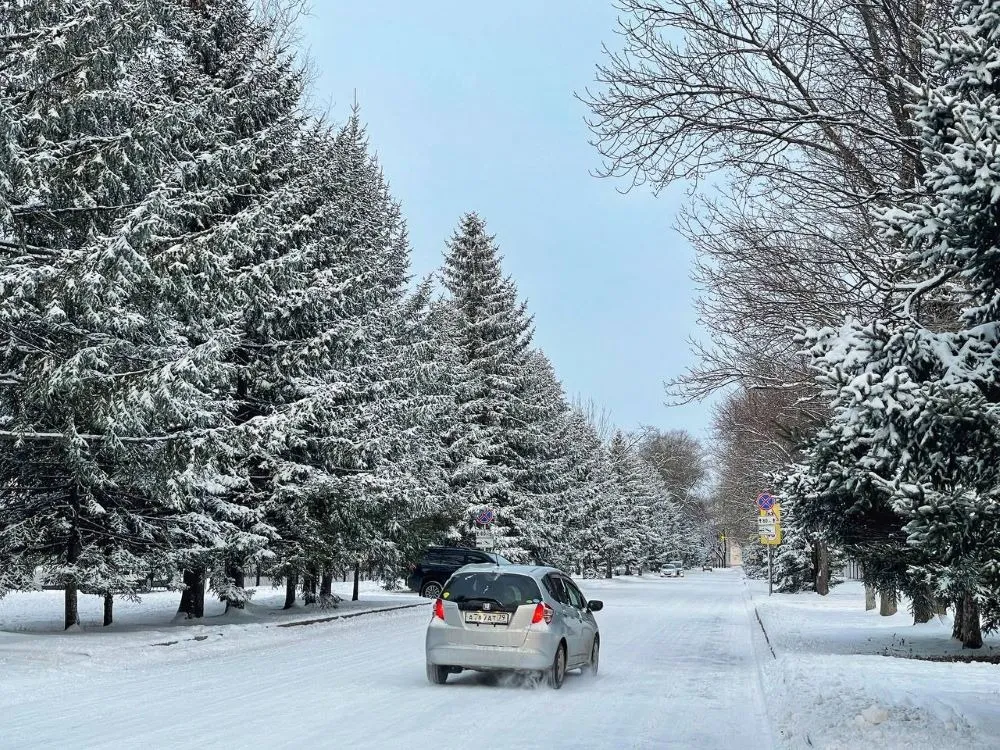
<point x="488" y="618"/>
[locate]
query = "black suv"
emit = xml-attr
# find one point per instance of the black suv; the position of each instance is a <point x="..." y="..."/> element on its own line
<point x="437" y="565"/>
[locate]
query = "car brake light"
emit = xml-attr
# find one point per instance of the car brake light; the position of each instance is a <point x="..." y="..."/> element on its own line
<point x="439" y="608"/>
<point x="542" y="612"/>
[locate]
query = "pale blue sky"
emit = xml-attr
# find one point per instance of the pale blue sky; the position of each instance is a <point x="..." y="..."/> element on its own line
<point x="470" y="106"/>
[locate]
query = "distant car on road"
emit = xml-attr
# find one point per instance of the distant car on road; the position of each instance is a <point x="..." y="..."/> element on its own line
<point x="517" y="618"/>
<point x="670" y="570"/>
<point x="428" y="576"/>
<point x="706" y="566"/>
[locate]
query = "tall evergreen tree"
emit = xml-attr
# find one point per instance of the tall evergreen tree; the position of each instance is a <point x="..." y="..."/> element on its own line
<point x="542" y="468"/>
<point x="622" y="514"/>
<point x="145" y="208"/>
<point x="357" y="456"/>
<point x="585" y="522"/>
<point x="90" y="127"/>
<point x="492" y="335"/>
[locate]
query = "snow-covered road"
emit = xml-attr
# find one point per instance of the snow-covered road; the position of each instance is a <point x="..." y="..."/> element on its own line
<point x="678" y="670"/>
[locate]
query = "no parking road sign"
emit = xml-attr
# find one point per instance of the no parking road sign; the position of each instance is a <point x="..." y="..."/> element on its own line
<point x="765" y="501"/>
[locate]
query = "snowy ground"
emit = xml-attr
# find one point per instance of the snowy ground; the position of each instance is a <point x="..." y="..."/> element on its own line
<point x="684" y="665"/>
<point x="42" y="611"/>
<point x="842" y="678"/>
<point x="678" y="670"/>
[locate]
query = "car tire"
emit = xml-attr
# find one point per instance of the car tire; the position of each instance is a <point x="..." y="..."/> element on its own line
<point x="437" y="675"/>
<point x="556" y="674"/>
<point x="431" y="590"/>
<point x="595" y="659"/>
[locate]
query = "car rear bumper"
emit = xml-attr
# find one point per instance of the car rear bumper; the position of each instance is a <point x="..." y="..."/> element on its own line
<point x="537" y="653"/>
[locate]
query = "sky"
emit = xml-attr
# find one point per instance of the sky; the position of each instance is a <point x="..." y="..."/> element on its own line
<point x="471" y="107"/>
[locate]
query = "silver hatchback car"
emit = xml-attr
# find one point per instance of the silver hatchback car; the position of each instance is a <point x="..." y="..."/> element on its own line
<point x="517" y="618"/>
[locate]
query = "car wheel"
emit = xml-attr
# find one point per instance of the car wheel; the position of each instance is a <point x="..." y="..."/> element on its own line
<point x="437" y="675"/>
<point x="595" y="659"/>
<point x="557" y="672"/>
<point x="431" y="590"/>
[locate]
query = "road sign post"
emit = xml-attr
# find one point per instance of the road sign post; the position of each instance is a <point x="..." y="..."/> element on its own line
<point x="770" y="570"/>
<point x="769" y="529"/>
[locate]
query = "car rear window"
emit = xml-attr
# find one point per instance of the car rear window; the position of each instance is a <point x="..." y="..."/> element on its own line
<point x="509" y="589"/>
<point x="446" y="557"/>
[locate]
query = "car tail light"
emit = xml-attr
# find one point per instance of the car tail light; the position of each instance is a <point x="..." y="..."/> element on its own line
<point x="439" y="608"/>
<point x="542" y="612"/>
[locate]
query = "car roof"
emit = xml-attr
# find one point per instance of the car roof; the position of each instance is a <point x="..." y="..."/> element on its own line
<point x="533" y="571"/>
<point x="440" y="548"/>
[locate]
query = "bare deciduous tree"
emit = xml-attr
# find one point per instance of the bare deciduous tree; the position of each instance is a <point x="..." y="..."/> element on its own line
<point x="681" y="461"/>
<point x="800" y="107"/>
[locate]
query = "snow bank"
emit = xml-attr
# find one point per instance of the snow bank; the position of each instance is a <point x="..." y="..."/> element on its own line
<point x="844" y="678"/>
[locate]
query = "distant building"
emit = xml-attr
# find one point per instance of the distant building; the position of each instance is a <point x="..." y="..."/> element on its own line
<point x="734" y="553"/>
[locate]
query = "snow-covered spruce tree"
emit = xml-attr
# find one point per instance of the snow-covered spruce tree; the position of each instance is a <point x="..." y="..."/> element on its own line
<point x="662" y="532"/>
<point x="246" y="197"/>
<point x="492" y="336"/>
<point x="357" y="454"/>
<point x="434" y="373"/>
<point x="623" y="517"/>
<point x="796" y="567"/>
<point x="97" y="367"/>
<point x="754" y="558"/>
<point x="584" y="527"/>
<point x="838" y="491"/>
<point x="154" y="279"/>
<point x="918" y="398"/>
<point x="542" y="468"/>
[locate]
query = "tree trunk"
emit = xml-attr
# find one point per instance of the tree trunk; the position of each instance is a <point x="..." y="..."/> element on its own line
<point x="198" y="594"/>
<point x="187" y="595"/>
<point x="888" y="603"/>
<point x="109" y="607"/>
<point x="326" y="584"/>
<point x="193" y="598"/>
<point x="257" y="585"/>
<point x="628" y="570"/>
<point x="822" y="569"/>
<point x="71" y="609"/>
<point x="972" y="633"/>
<point x="940" y="607"/>
<point x="923" y="606"/>
<point x="309" y="587"/>
<point x="956" y="626"/>
<point x="609" y="571"/>
<point x="357" y="575"/>
<point x="869" y="598"/>
<point x="291" y="583"/>
<point x="343" y="575"/>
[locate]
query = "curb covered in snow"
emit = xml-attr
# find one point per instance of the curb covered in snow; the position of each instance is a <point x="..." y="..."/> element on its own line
<point x="350" y="615"/>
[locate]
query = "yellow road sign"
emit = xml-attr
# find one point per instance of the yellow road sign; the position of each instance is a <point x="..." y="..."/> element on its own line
<point x="769" y="525"/>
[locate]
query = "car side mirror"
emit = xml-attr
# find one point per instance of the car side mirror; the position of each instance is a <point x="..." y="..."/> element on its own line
<point x="595" y="606"/>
